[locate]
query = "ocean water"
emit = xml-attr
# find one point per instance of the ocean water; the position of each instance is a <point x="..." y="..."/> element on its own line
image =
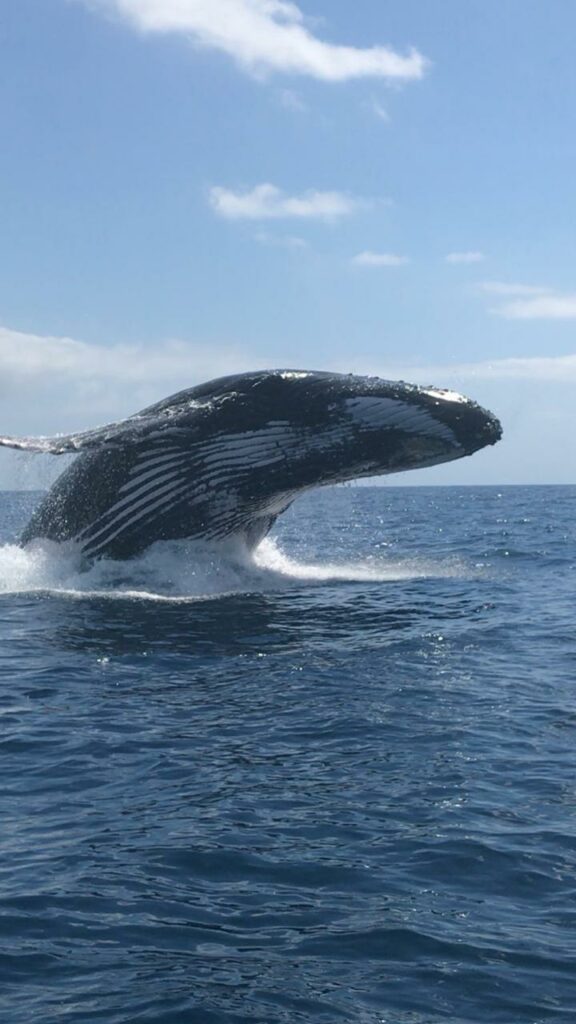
<point x="335" y="782"/>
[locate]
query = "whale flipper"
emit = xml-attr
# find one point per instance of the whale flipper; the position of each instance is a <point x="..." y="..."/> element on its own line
<point x="136" y="430"/>
<point x="226" y="458"/>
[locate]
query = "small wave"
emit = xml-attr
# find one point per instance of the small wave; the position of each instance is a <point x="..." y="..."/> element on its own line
<point x="192" y="570"/>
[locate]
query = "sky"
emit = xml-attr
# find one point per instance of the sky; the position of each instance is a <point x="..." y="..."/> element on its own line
<point x="190" y="188"/>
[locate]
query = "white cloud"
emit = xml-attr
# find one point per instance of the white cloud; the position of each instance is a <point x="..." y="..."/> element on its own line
<point x="79" y="368"/>
<point x="530" y="301"/>
<point x="28" y="355"/>
<point x="472" y="256"/>
<point x="540" y="307"/>
<point x="49" y="383"/>
<point x="554" y="369"/>
<point x="512" y="289"/>
<point x="267" y="202"/>
<point x="265" y="36"/>
<point x="379" y="259"/>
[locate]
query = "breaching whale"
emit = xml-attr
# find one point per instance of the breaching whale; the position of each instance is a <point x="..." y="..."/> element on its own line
<point x="227" y="457"/>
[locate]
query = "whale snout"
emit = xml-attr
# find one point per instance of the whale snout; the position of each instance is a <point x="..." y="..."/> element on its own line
<point x="482" y="429"/>
<point x="473" y="427"/>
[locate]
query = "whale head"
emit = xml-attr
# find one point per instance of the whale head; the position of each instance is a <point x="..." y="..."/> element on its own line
<point x="396" y="426"/>
<point x="333" y="427"/>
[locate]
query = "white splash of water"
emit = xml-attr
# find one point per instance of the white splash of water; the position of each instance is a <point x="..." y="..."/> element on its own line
<point x="190" y="571"/>
<point x="372" y="570"/>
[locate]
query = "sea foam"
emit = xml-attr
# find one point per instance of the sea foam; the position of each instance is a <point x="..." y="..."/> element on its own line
<point x="192" y="570"/>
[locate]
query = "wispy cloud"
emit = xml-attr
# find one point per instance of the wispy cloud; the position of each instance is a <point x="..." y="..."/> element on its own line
<point x="379" y="109"/>
<point x="530" y="301"/>
<point x="282" y="241"/>
<point x="378" y="259"/>
<point x="554" y="369"/>
<point x="508" y="288"/>
<point x="471" y="256"/>
<point x="265" y="36"/>
<point x="292" y="100"/>
<point x="29" y="355"/>
<point x="267" y="202"/>
<point x="80" y="368"/>
<point x="48" y="380"/>
<point x="540" y="307"/>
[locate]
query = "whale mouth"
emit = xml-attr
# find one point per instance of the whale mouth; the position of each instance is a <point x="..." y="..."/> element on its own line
<point x="472" y="427"/>
<point x="415" y="427"/>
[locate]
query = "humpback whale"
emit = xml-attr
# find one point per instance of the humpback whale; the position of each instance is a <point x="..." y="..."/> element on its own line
<point x="227" y="457"/>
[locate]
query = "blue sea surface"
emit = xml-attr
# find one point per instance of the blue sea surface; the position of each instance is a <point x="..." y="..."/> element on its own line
<point x="333" y="783"/>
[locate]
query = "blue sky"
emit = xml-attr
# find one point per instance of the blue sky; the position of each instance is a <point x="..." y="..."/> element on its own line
<point x="194" y="187"/>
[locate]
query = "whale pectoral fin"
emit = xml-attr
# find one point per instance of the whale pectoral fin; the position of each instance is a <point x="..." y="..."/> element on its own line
<point x="48" y="445"/>
<point x="132" y="431"/>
